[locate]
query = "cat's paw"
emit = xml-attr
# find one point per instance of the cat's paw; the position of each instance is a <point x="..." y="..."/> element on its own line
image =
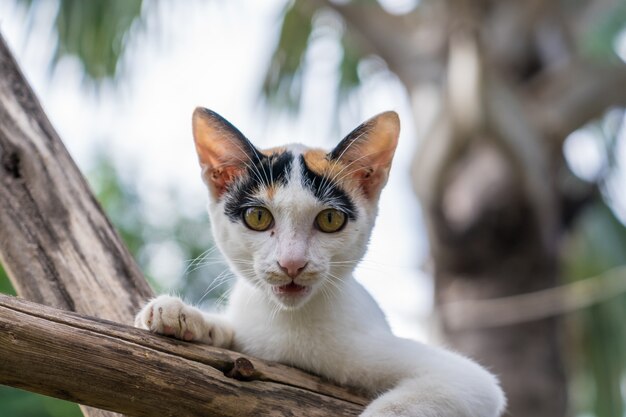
<point x="170" y="316"/>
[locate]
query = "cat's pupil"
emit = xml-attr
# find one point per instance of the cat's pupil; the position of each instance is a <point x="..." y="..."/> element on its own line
<point x="259" y="215"/>
<point x="329" y="216"/>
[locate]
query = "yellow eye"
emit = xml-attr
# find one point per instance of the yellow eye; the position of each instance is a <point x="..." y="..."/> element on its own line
<point x="330" y="220"/>
<point x="258" y="218"/>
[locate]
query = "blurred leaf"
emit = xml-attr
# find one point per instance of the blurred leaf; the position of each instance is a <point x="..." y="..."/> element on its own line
<point x="95" y="31"/>
<point x="283" y="81"/>
<point x="18" y="403"/>
<point x="5" y="284"/>
<point x="284" y="77"/>
<point x="348" y="69"/>
<point x="598" y="40"/>
<point x="597" y="244"/>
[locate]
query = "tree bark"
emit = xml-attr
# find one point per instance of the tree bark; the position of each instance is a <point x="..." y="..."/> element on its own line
<point x="132" y="371"/>
<point x="56" y="244"/>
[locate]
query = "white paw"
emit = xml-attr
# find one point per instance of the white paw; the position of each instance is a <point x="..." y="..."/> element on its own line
<point x="170" y="316"/>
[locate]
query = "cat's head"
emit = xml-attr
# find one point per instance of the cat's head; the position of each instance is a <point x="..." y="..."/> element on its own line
<point x="294" y="221"/>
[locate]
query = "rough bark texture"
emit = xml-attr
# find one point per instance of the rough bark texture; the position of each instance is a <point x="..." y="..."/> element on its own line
<point x="56" y="244"/>
<point x="131" y="371"/>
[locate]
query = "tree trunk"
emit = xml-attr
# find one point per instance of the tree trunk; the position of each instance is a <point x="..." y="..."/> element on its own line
<point x="488" y="192"/>
<point x="132" y="371"/>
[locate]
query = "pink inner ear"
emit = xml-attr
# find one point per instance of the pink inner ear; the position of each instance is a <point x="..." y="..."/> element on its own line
<point x="219" y="178"/>
<point x="372" y="180"/>
<point x="370" y="152"/>
<point x="220" y="150"/>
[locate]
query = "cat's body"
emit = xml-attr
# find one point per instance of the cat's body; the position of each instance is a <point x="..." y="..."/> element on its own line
<point x="293" y="222"/>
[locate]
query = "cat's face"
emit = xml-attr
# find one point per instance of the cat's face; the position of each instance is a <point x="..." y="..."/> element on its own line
<point x="294" y="221"/>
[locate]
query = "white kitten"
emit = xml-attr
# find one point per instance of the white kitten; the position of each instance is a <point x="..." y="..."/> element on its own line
<point x="293" y="222"/>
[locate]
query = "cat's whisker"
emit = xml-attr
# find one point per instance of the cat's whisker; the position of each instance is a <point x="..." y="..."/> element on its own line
<point x="199" y="259"/>
<point x="222" y="298"/>
<point x="217" y="281"/>
<point x="333" y="281"/>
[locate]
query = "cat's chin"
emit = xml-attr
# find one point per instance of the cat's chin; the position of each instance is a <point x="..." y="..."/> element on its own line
<point x="291" y="296"/>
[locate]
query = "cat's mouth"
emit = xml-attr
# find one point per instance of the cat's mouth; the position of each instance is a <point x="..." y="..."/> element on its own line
<point x="292" y="289"/>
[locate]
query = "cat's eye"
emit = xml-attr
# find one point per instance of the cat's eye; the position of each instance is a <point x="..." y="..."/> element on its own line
<point x="258" y="218"/>
<point x="330" y="220"/>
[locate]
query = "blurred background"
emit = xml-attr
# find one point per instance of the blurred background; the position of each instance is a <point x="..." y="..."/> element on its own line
<point x="501" y="231"/>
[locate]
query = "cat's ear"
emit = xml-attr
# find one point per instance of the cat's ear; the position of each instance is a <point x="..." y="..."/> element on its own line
<point x="368" y="150"/>
<point x="223" y="151"/>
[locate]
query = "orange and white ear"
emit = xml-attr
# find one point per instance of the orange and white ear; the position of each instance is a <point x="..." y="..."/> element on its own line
<point x="223" y="151"/>
<point x="368" y="150"/>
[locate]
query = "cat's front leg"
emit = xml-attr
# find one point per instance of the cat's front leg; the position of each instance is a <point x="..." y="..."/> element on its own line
<point x="170" y="316"/>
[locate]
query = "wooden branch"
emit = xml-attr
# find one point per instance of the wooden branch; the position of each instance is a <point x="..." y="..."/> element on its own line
<point x="128" y="370"/>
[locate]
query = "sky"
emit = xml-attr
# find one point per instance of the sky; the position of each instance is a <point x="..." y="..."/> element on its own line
<point x="214" y="54"/>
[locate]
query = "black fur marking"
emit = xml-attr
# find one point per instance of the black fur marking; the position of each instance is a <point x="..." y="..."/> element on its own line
<point x="263" y="172"/>
<point x="360" y="132"/>
<point x="225" y="125"/>
<point x="327" y="191"/>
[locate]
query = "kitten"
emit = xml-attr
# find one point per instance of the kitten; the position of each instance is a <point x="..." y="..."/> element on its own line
<point x="293" y="222"/>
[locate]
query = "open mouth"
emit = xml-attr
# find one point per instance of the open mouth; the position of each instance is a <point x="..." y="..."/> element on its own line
<point x="290" y="289"/>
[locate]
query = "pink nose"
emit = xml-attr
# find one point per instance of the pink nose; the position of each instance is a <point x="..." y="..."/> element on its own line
<point x="292" y="267"/>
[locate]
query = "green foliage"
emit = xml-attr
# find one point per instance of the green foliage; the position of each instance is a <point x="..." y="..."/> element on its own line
<point x="283" y="82"/>
<point x="95" y="31"/>
<point x="283" y="79"/>
<point x="18" y="403"/>
<point x="348" y="69"/>
<point x="597" y="41"/>
<point x="5" y="284"/>
<point x="597" y="343"/>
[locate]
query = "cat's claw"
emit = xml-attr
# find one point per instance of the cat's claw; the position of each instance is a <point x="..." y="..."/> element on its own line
<point x="170" y="316"/>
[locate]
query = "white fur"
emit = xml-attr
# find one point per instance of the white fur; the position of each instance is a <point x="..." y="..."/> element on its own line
<point x="336" y="329"/>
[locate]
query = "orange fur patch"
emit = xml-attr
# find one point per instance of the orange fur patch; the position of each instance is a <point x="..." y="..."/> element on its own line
<point x="271" y="151"/>
<point x="317" y="162"/>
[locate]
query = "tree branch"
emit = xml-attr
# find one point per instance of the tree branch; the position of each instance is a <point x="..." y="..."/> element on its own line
<point x="515" y="309"/>
<point x="127" y="370"/>
<point x="565" y="101"/>
<point x="410" y="44"/>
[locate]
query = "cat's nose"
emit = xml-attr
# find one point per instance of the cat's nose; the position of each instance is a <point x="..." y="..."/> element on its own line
<point x="292" y="267"/>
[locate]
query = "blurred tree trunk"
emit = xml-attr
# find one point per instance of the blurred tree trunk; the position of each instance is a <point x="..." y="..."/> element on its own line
<point x="491" y="206"/>
<point x="490" y="173"/>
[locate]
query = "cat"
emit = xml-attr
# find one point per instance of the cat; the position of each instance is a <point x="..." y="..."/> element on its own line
<point x="293" y="222"/>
